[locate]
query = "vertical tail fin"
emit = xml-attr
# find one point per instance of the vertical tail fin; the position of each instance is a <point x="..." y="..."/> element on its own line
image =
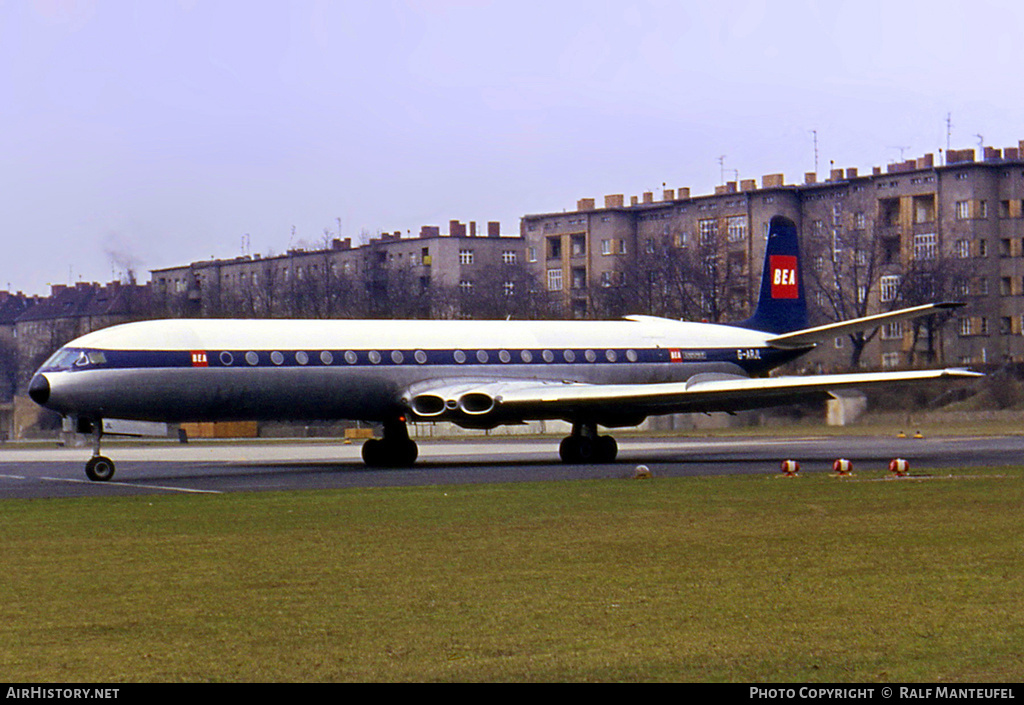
<point x="781" y="306"/>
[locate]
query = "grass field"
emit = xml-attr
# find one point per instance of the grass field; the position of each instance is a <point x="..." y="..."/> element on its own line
<point x="742" y="578"/>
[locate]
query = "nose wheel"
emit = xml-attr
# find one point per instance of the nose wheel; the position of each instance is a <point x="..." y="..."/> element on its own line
<point x="99" y="468"/>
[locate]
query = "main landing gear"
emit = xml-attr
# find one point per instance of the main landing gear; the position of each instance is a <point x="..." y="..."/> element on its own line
<point x="99" y="468"/>
<point x="394" y="450"/>
<point x="586" y="446"/>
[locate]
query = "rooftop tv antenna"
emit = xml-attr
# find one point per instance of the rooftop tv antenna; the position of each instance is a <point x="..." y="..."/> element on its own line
<point x="815" y="133"/>
<point x="902" y="149"/>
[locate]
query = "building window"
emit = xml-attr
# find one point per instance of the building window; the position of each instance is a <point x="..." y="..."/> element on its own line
<point x="465" y="256"/>
<point x="708" y="231"/>
<point x="737" y="228"/>
<point x="606" y="247"/>
<point x="889" y="287"/>
<point x="555" y="279"/>
<point x="531" y="254"/>
<point x="890" y="360"/>
<point x="962" y="249"/>
<point x="963" y="210"/>
<point x="925" y="246"/>
<point x="892" y="331"/>
<point x="555" y="247"/>
<point x="579" y="278"/>
<point x="508" y="257"/>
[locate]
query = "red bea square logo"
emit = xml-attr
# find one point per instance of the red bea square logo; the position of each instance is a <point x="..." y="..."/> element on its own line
<point x="783" y="273"/>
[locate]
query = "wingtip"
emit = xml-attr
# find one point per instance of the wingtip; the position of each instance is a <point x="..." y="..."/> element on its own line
<point x="962" y="372"/>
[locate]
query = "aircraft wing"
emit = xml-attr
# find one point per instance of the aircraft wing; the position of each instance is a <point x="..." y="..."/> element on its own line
<point x="533" y="399"/>
<point x="812" y="336"/>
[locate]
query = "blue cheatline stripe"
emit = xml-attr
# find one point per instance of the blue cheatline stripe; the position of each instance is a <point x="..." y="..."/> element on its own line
<point x="128" y="359"/>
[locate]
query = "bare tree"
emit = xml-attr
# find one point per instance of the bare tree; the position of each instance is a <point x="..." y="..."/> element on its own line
<point x="507" y="290"/>
<point x="927" y="279"/>
<point x="681" y="277"/>
<point x="844" y="266"/>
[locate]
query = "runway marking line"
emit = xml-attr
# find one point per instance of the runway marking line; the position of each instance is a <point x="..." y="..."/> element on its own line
<point x="12" y="477"/>
<point x="131" y="484"/>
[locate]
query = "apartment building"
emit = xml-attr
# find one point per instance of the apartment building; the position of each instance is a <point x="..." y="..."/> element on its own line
<point x="913" y="232"/>
<point x="430" y="275"/>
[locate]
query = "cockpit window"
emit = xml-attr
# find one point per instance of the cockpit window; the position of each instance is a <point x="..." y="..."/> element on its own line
<point x="63" y="359"/>
<point x="67" y="358"/>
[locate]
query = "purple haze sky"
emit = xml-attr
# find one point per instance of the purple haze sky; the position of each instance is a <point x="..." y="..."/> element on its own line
<point x="154" y="133"/>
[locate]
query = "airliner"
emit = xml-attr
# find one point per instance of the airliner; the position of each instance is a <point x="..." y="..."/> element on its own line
<point x="476" y="374"/>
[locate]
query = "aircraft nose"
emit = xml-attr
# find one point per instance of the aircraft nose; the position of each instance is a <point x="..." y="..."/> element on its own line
<point x="39" y="389"/>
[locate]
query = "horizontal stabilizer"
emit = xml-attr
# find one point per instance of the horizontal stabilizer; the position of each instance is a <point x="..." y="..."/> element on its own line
<point x="819" y="334"/>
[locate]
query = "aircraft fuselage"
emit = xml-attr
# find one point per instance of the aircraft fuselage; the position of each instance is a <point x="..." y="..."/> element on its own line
<point x="201" y="370"/>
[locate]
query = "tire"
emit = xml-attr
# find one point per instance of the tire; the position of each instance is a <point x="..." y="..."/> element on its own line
<point x="607" y="449"/>
<point x="99" y="468"/>
<point x="378" y="453"/>
<point x="577" y="450"/>
<point x="372" y="453"/>
<point x="568" y="450"/>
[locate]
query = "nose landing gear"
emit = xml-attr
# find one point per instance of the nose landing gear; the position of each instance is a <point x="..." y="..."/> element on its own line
<point x="99" y="468"/>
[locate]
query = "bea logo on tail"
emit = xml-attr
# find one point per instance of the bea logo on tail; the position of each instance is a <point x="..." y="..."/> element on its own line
<point x="784" y="281"/>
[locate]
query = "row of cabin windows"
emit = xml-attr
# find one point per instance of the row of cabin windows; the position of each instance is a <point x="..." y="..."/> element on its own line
<point x="420" y="357"/>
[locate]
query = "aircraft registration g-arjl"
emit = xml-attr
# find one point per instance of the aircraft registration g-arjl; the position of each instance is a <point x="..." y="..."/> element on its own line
<point x="477" y="374"/>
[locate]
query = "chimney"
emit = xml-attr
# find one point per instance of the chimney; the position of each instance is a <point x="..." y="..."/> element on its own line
<point x="810" y="178"/>
<point x="772" y="181"/>
<point x="668" y="194"/>
<point x="493" y="229"/>
<point x="472" y="228"/>
<point x="585" y="204"/>
<point x="613" y="201"/>
<point x="955" y="156"/>
<point x="456" y="229"/>
<point x="683" y="193"/>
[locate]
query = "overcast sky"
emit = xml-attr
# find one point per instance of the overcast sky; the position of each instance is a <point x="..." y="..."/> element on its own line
<point x="153" y="133"/>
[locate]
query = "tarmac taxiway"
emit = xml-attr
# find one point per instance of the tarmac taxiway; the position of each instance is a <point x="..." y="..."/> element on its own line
<point x="44" y="471"/>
